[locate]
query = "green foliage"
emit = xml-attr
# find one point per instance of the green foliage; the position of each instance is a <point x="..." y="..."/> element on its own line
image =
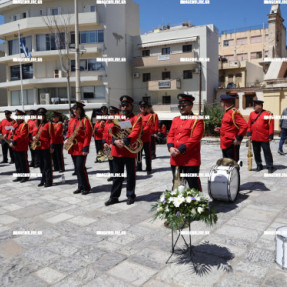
<point x="182" y="206"/>
<point x="215" y="114"/>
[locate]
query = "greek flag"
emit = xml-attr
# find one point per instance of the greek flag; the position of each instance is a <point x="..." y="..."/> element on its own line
<point x="24" y="49"/>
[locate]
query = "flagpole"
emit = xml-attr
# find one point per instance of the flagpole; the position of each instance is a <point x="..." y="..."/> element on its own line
<point x="21" y="76"/>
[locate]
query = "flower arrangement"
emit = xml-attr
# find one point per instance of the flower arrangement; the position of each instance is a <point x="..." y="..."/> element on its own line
<point x="182" y="206"/>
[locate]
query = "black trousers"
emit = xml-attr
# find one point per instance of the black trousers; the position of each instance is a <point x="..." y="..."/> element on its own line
<point x="153" y="146"/>
<point x="232" y="152"/>
<point x="111" y="165"/>
<point x="267" y="153"/>
<point x="21" y="162"/>
<point x="34" y="158"/>
<point x="119" y="164"/>
<point x="45" y="158"/>
<point x="193" y="182"/>
<point x="147" y="151"/>
<point x="5" y="148"/>
<point x="82" y="175"/>
<point x="58" y="158"/>
<point x="74" y="162"/>
<point x="99" y="145"/>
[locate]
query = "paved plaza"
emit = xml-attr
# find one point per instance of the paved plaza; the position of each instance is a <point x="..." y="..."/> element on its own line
<point x="70" y="251"/>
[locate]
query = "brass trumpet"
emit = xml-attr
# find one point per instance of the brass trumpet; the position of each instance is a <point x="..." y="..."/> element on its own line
<point x="119" y="133"/>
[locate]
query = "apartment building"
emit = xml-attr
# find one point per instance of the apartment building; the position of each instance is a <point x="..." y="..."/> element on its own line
<point x="104" y="31"/>
<point x="3" y="96"/>
<point x="160" y="71"/>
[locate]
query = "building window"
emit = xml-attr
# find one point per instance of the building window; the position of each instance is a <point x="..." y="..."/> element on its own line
<point x="93" y="8"/>
<point x="186" y="48"/>
<point x="48" y="42"/>
<point x="165" y="75"/>
<point x="242" y="57"/>
<point x="256" y="55"/>
<point x="166" y="100"/>
<point x="55" y="11"/>
<point x="24" y="15"/>
<point x="88" y="65"/>
<point x="146" y="99"/>
<point x="146" y="77"/>
<point x="88" y="37"/>
<point x="187" y="74"/>
<point x="241" y="41"/>
<point x="28" y="96"/>
<point x="93" y="92"/>
<point x="41" y="12"/>
<point x="14" y="18"/>
<point x="256" y="39"/>
<point x="27" y="72"/>
<point x="165" y="51"/>
<point x="248" y="100"/>
<point x="14" y="45"/>
<point x="146" y="53"/>
<point x="226" y="43"/>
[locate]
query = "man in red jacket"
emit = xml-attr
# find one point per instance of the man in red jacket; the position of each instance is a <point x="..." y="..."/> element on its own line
<point x="58" y="158"/>
<point x="107" y="138"/>
<point x="122" y="156"/>
<point x="184" y="139"/>
<point x="261" y="132"/>
<point x="6" y="123"/>
<point x="31" y="124"/>
<point x="147" y="131"/>
<point x="83" y="129"/>
<point x="232" y="130"/>
<point x="44" y="133"/>
<point x="98" y="133"/>
<point x="19" y="144"/>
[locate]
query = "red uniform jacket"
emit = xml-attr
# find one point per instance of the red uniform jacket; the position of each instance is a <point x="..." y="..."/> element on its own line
<point x="21" y="136"/>
<point x="83" y="136"/>
<point x="59" y="129"/>
<point x="155" y="123"/>
<point x="262" y="129"/>
<point x="6" y="123"/>
<point x="133" y="136"/>
<point x="233" y="126"/>
<point x="185" y="135"/>
<point x="163" y="130"/>
<point x="107" y="138"/>
<point x="47" y="137"/>
<point x="98" y="130"/>
<point x="147" y="127"/>
<point x="31" y="125"/>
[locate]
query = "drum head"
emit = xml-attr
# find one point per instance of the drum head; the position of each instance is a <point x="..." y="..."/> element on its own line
<point x="234" y="184"/>
<point x="282" y="232"/>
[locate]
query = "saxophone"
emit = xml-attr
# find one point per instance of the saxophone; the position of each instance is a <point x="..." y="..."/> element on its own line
<point x="72" y="139"/>
<point x="36" y="142"/>
<point x="124" y="133"/>
<point x="249" y="156"/>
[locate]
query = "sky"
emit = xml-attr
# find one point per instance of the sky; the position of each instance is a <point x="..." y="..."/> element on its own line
<point x="224" y="14"/>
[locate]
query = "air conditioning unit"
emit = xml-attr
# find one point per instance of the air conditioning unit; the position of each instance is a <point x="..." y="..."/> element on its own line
<point x="57" y="74"/>
<point x="136" y="75"/>
<point x="45" y="99"/>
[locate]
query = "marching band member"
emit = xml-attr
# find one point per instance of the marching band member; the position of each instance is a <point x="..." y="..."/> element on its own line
<point x="107" y="138"/>
<point x="155" y="122"/>
<point x="71" y="127"/>
<point x="19" y="144"/>
<point x="44" y="136"/>
<point x="98" y="133"/>
<point x="261" y="132"/>
<point x="81" y="129"/>
<point x="232" y="130"/>
<point x="31" y="124"/>
<point x="123" y="157"/>
<point x="58" y="158"/>
<point x="147" y="131"/>
<point x="184" y="139"/>
<point x="5" y="147"/>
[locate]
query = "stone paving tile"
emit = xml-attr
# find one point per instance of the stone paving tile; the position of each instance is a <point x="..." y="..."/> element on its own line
<point x="82" y="220"/>
<point x="49" y="275"/>
<point x="106" y="280"/>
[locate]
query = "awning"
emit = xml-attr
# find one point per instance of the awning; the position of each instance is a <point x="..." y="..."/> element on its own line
<point x="250" y="92"/>
<point x="167" y="42"/>
<point x="233" y="93"/>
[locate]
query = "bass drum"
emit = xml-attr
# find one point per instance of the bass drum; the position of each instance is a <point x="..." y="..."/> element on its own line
<point x="224" y="183"/>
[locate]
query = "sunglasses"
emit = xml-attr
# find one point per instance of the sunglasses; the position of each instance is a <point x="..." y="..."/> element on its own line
<point x="183" y="106"/>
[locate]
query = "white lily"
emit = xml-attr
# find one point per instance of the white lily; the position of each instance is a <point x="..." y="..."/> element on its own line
<point x="181" y="188"/>
<point x="200" y="210"/>
<point x="162" y="198"/>
<point x="174" y="192"/>
<point x="188" y="199"/>
<point x="178" y="201"/>
<point x="193" y="211"/>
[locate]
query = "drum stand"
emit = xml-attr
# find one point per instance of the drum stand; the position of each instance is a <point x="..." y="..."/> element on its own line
<point x="173" y="244"/>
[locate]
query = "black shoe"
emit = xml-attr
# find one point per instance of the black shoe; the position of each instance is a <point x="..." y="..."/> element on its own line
<point x="48" y="184"/>
<point x="77" y="191"/>
<point x="55" y="170"/>
<point x="16" y="179"/>
<point x="139" y="168"/>
<point x="4" y="161"/>
<point x="11" y="162"/>
<point x="24" y="180"/>
<point x="111" y="201"/>
<point x="85" y="192"/>
<point x="110" y="179"/>
<point x="74" y="173"/>
<point x="31" y="164"/>
<point x="41" y="184"/>
<point x="61" y="170"/>
<point x="130" y="201"/>
<point x="36" y="166"/>
<point x="271" y="170"/>
<point x="149" y="172"/>
<point x="153" y="157"/>
<point x="259" y="167"/>
<point x="281" y="152"/>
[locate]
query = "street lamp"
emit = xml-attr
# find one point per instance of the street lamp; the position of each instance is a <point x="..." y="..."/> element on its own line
<point x="77" y="54"/>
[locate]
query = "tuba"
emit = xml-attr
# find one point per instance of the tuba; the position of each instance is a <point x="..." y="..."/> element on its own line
<point x="118" y="133"/>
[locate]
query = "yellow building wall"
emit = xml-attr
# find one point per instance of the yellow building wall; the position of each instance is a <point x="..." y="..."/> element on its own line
<point x="273" y="100"/>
